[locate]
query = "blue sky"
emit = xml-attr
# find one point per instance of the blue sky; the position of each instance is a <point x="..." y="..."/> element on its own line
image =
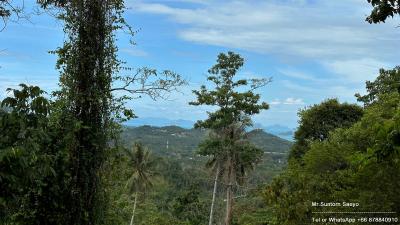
<point x="314" y="50"/>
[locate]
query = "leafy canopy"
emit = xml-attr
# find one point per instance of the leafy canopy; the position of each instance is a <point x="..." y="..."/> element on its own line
<point x="232" y="117"/>
<point x="354" y="163"/>
<point x="388" y="81"/>
<point x="317" y="121"/>
<point x="382" y="10"/>
<point x="33" y="162"/>
<point x="233" y="106"/>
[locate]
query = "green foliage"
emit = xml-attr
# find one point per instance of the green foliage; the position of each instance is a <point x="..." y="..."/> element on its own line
<point x="388" y="81"/>
<point x="142" y="166"/>
<point x="119" y="200"/>
<point x="171" y="187"/>
<point x="358" y="163"/>
<point x="382" y="10"/>
<point x="87" y="63"/>
<point x="34" y="177"/>
<point x="317" y="121"/>
<point x="252" y="210"/>
<point x="233" y="106"/>
<point x="190" y="207"/>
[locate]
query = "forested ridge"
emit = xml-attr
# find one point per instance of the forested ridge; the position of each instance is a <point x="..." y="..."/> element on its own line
<point x="66" y="157"/>
<point x="186" y="140"/>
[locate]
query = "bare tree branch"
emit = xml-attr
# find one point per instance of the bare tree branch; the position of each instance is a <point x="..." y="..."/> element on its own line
<point x="150" y="82"/>
<point x="11" y="10"/>
<point x="258" y="83"/>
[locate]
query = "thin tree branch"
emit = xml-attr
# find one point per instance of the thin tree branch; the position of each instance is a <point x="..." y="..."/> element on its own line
<point x="151" y="83"/>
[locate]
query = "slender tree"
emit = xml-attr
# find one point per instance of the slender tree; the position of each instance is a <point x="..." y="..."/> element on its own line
<point x="229" y="147"/>
<point x="142" y="172"/>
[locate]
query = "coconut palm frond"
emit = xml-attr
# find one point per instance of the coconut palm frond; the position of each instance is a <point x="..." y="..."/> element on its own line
<point x="142" y="165"/>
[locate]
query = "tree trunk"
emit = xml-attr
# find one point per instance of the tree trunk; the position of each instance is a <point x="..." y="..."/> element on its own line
<point x="229" y="194"/>
<point x="213" y="197"/>
<point x="86" y="83"/>
<point x="134" y="208"/>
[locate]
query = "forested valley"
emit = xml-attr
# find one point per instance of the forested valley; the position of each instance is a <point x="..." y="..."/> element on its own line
<point x="68" y="157"/>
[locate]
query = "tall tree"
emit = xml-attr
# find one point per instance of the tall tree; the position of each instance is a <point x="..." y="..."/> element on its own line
<point x="142" y="172"/>
<point x="231" y="151"/>
<point x="87" y="62"/>
<point x="88" y="66"/>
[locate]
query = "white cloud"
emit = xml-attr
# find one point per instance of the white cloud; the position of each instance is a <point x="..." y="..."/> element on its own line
<point x="357" y="70"/>
<point x="296" y="74"/>
<point x="326" y="29"/>
<point x="332" y="33"/>
<point x="135" y="52"/>
<point x="288" y="101"/>
<point x="190" y="1"/>
<point x="275" y="102"/>
<point x="293" y="101"/>
<point x="297" y="87"/>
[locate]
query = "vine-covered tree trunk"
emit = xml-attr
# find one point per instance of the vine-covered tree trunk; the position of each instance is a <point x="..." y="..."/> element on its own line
<point x="87" y="62"/>
<point x="89" y="91"/>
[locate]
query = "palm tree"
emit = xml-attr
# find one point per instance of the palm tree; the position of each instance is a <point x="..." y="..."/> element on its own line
<point x="231" y="159"/>
<point x="142" y="172"/>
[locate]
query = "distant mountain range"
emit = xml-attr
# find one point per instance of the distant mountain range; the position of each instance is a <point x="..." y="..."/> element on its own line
<point x="275" y="129"/>
<point x="177" y="140"/>
<point x="159" y="122"/>
<point x="278" y="130"/>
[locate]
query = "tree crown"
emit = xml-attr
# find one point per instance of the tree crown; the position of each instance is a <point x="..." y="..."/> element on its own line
<point x="233" y="106"/>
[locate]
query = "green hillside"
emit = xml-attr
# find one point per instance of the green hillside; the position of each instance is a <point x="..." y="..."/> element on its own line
<point x="185" y="184"/>
<point x="182" y="145"/>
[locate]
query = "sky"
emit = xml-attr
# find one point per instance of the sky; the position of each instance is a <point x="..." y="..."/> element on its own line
<point x="312" y="49"/>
